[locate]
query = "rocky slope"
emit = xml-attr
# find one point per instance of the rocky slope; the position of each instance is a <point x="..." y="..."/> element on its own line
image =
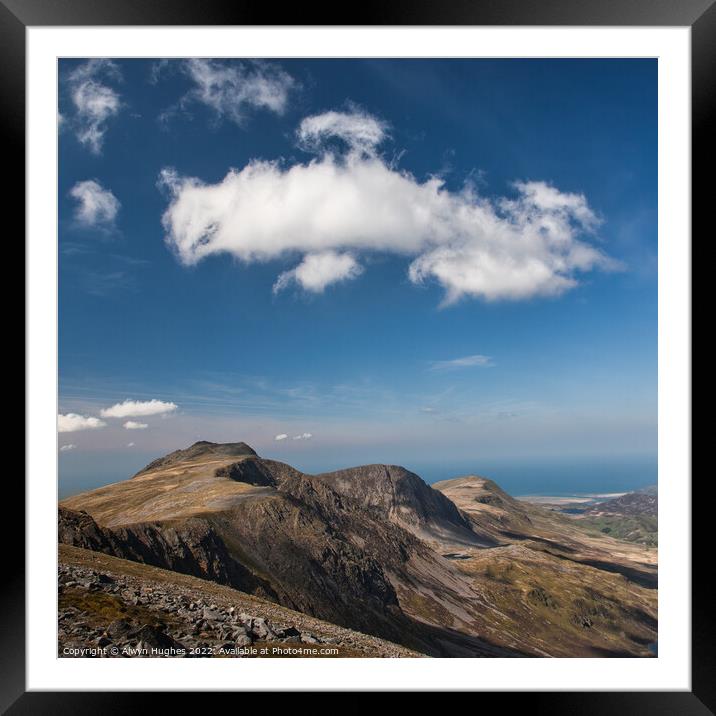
<point x="110" y="607"/>
<point x="376" y="550"/>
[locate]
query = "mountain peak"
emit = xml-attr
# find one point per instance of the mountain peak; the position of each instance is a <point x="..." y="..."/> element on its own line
<point x="239" y="448"/>
<point x="399" y="495"/>
<point x="201" y="448"/>
<point x="477" y="489"/>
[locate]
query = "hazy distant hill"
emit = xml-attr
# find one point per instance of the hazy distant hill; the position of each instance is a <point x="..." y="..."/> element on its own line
<point x="643" y="502"/>
<point x="457" y="569"/>
<point x="632" y="517"/>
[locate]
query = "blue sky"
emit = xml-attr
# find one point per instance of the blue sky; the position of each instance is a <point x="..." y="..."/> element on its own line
<point x="445" y="264"/>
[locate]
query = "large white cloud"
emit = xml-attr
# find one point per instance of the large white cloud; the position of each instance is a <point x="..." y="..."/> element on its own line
<point x="137" y="408"/>
<point x="96" y="206"/>
<point x="72" y="422"/>
<point x="231" y="88"/>
<point x="94" y="102"/>
<point x="330" y="209"/>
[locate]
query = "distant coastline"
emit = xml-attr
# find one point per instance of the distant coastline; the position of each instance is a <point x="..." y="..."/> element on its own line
<point x="568" y="499"/>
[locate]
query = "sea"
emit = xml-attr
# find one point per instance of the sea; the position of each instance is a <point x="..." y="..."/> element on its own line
<point x="553" y="476"/>
<point x="557" y="477"/>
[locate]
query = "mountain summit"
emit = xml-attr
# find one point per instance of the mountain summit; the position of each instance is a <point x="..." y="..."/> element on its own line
<point x="199" y="450"/>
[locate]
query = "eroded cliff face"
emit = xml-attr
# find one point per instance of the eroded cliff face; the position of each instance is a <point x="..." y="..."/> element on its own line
<point x="369" y="548"/>
<point x="190" y="547"/>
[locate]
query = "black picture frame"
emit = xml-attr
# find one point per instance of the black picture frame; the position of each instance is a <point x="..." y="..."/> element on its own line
<point x="699" y="15"/>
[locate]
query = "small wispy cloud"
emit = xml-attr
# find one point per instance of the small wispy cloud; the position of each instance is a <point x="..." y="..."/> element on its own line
<point x="281" y="436"/>
<point x="101" y="283"/>
<point x="96" y="206"/>
<point x="130" y="444"/>
<point x="359" y="130"/>
<point x="72" y="422"/>
<point x="317" y="271"/>
<point x="302" y="436"/>
<point x="157" y="69"/>
<point x="134" y="425"/>
<point x="66" y="448"/>
<point x="473" y="361"/>
<point x="94" y="102"/>
<point x="231" y="89"/>
<point x="138" y="408"/>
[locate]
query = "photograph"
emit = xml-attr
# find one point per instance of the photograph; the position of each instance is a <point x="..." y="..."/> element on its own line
<point x="357" y="357"/>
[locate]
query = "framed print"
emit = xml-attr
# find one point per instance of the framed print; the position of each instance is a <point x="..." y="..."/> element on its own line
<point x="358" y="353"/>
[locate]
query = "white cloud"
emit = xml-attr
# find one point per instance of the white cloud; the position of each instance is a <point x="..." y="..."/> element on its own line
<point x="230" y="89"/>
<point x="66" y="448"/>
<point x="134" y="425"/>
<point x="281" y="436"/>
<point x="130" y="444"/>
<point x="71" y="422"/>
<point x="317" y="271"/>
<point x="96" y="206"/>
<point x="336" y="206"/>
<point x="360" y="131"/>
<point x="464" y="362"/>
<point x="136" y="408"/>
<point x="303" y="436"/>
<point x="94" y="102"/>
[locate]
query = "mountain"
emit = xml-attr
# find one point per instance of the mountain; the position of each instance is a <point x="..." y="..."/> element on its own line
<point x="643" y="502"/>
<point x="492" y="513"/>
<point x="632" y="517"/>
<point x="495" y="514"/>
<point x="461" y="569"/>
